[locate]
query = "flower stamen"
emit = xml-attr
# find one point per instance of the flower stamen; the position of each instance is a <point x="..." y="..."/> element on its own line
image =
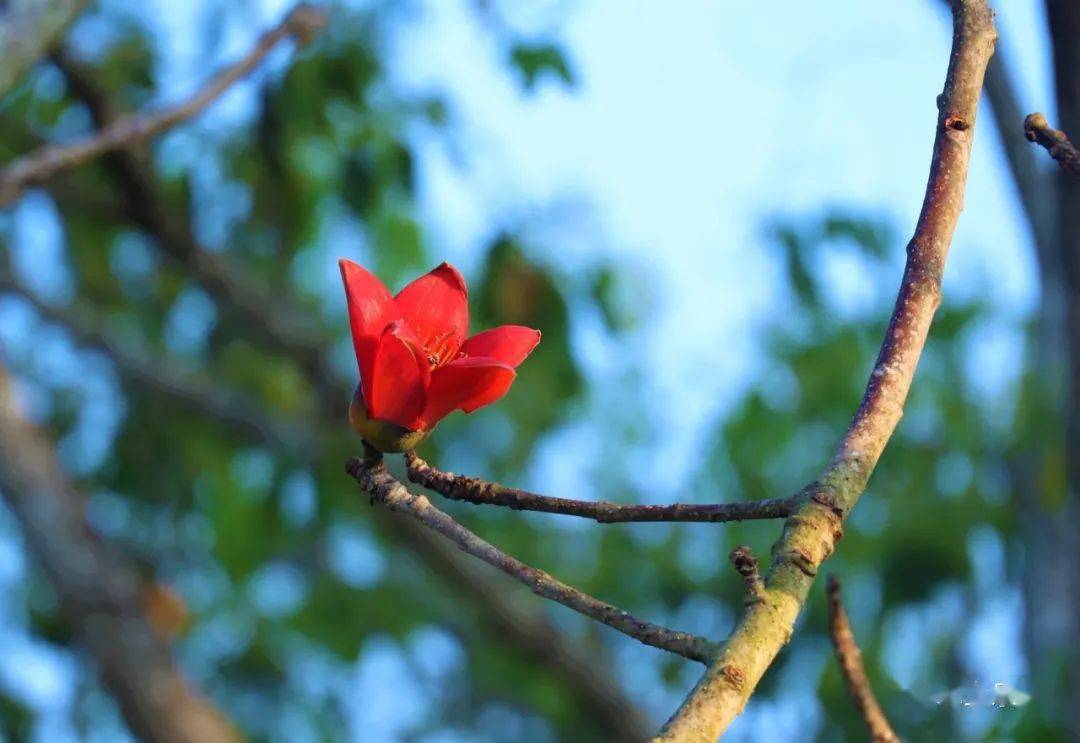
<point x="440" y="348"/>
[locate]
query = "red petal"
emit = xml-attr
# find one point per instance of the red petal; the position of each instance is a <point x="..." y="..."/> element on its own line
<point x="510" y="344"/>
<point x="371" y="309"/>
<point x="437" y="308"/>
<point x="400" y="376"/>
<point x="465" y="383"/>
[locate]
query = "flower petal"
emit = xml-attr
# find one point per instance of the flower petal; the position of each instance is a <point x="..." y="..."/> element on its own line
<point x="371" y="309"/>
<point x="466" y="384"/>
<point x="510" y="344"/>
<point x="437" y="308"/>
<point x="400" y="376"/>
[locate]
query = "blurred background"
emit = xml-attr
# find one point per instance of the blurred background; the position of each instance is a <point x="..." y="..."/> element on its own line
<point x="702" y="205"/>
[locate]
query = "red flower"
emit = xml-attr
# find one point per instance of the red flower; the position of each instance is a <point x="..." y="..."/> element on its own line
<point x="416" y="364"/>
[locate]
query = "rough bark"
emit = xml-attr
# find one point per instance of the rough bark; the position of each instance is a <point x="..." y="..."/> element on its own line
<point x="811" y="532"/>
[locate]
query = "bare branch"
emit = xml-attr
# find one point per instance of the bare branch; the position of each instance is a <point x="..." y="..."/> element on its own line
<point x="99" y="595"/>
<point x="27" y="29"/>
<point x="481" y="492"/>
<point x="378" y="483"/>
<point x="849" y="657"/>
<point x="34" y="168"/>
<point x="811" y="532"/>
<point x="1033" y="184"/>
<point x="1038" y="130"/>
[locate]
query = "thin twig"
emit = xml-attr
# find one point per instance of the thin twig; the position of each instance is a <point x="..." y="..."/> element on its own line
<point x="36" y="167"/>
<point x="746" y="565"/>
<point x="1037" y="129"/>
<point x="849" y="657"/>
<point x="811" y="532"/>
<point x="482" y="492"/>
<point x="382" y="487"/>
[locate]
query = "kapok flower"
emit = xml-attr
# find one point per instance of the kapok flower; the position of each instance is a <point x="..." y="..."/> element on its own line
<point x="416" y="364"/>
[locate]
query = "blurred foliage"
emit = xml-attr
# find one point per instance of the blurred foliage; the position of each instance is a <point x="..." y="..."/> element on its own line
<point x="303" y="603"/>
<point x="945" y="484"/>
<point x="535" y="61"/>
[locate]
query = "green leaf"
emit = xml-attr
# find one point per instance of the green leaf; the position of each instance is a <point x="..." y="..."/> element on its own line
<point x="534" y="61"/>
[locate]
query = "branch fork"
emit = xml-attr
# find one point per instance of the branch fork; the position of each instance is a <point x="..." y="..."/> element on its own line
<point x="383" y="488"/>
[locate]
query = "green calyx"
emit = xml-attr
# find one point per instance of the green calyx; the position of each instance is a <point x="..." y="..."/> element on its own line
<point x="387" y="437"/>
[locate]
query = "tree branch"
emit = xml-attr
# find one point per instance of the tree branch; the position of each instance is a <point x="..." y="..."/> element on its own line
<point x="1033" y="184"/>
<point x="811" y="532"/>
<point x="276" y="325"/>
<point x="99" y="595"/>
<point x="481" y="492"/>
<point x="1038" y="130"/>
<point x="377" y="482"/>
<point x="36" y="167"/>
<point x="849" y="657"/>
<point x="27" y="30"/>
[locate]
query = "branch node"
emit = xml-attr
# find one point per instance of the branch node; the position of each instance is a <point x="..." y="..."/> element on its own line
<point x="747" y="566"/>
<point x="1037" y="129"/>
<point x="733" y="675"/>
<point x="374" y="479"/>
<point x="305" y="22"/>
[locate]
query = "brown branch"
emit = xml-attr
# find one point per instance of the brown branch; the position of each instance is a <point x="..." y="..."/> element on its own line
<point x="811" y="532"/>
<point x="1033" y="184"/>
<point x="38" y="166"/>
<point x="1038" y="130"/>
<point x="849" y="657"/>
<point x="382" y="487"/>
<point x="99" y="596"/>
<point x="481" y="492"/>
